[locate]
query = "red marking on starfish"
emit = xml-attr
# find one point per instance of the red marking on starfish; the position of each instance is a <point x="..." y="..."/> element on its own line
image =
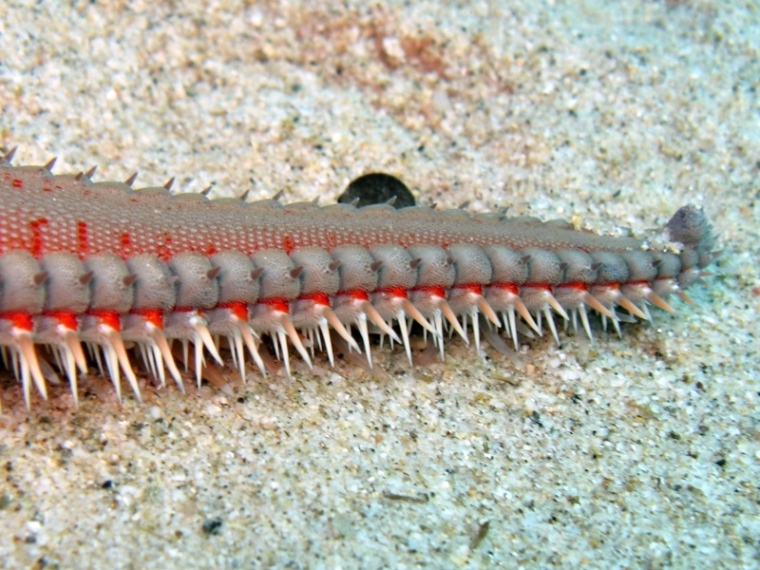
<point x="276" y="304"/>
<point x="400" y="292"/>
<point x="356" y="294"/>
<point x="432" y="290"/>
<point x="125" y="242"/>
<point x="578" y="285"/>
<point x="237" y="308"/>
<point x="83" y="243"/>
<point x="476" y="288"/>
<point x="108" y="318"/>
<point x="511" y="287"/>
<point x="37" y="242"/>
<point x="153" y="316"/>
<point x="67" y="318"/>
<point x="20" y="319"/>
<point x="318" y="298"/>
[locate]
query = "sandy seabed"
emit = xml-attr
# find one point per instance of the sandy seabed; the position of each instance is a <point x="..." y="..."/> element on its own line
<point x="635" y="452"/>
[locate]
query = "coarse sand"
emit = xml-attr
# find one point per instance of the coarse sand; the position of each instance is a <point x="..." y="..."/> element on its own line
<point x="633" y="452"/>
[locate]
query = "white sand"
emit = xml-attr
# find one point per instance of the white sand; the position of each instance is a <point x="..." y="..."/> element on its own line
<point x="634" y="452"/>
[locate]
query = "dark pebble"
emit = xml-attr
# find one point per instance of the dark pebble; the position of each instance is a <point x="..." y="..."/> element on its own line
<point x="377" y="188"/>
<point x="212" y="526"/>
